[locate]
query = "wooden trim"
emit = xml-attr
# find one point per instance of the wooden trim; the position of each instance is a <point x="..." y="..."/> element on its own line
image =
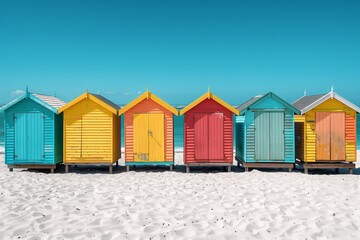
<point x="209" y="95"/>
<point x="265" y="164"/>
<point x="207" y="164"/>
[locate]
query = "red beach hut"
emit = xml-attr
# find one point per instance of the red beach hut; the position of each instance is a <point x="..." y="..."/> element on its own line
<point x="208" y="132"/>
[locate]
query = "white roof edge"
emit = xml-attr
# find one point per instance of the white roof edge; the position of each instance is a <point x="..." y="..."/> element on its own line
<point x="328" y="96"/>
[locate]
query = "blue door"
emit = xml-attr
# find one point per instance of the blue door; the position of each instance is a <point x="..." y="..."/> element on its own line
<point x="29" y="138"/>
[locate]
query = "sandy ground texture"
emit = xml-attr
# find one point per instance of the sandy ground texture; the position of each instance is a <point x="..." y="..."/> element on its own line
<point x="154" y="203"/>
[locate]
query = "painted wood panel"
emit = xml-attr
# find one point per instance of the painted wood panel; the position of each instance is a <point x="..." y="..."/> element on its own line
<point x="201" y="125"/>
<point x="89" y="133"/>
<point x="323" y="135"/>
<point x="216" y="136"/>
<point x="148" y="106"/>
<point x="337" y="138"/>
<point x="240" y="137"/>
<point x="141" y="137"/>
<point x="275" y="143"/>
<point x="156" y="137"/>
<point x="331" y="106"/>
<point x="206" y="107"/>
<point x="262" y="136"/>
<point x="277" y="138"/>
<point x="51" y="140"/>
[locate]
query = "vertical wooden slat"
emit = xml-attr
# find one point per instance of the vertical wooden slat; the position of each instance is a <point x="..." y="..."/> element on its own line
<point x="276" y="128"/>
<point x="323" y="135"/>
<point x="262" y="138"/>
<point x="337" y="136"/>
<point x="141" y="137"/>
<point x="216" y="136"/>
<point x="201" y="123"/>
<point x="156" y="137"/>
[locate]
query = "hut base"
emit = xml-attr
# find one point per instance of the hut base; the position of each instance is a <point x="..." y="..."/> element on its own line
<point x="326" y="165"/>
<point x="128" y="164"/>
<point x="208" y="164"/>
<point x="30" y="166"/>
<point x="247" y="165"/>
<point x="68" y="165"/>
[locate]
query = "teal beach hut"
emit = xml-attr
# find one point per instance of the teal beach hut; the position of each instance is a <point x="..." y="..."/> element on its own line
<point x="33" y="132"/>
<point x="265" y="133"/>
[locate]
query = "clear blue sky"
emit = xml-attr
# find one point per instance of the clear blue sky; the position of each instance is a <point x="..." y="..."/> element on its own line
<point x="179" y="48"/>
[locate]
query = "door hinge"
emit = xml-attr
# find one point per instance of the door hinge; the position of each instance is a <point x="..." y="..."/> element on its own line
<point x="43" y="156"/>
<point x="15" y="156"/>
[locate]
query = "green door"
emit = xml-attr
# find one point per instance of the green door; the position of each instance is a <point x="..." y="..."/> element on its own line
<point x="269" y="136"/>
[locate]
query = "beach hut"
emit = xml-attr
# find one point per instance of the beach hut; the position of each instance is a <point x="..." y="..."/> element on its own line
<point x="265" y="133"/>
<point x="149" y="131"/>
<point x="208" y="132"/>
<point x="33" y="132"/>
<point x="325" y="131"/>
<point x="91" y="131"/>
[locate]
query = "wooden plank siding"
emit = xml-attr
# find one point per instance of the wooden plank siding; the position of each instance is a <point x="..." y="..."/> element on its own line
<point x="208" y="106"/>
<point x="280" y="143"/>
<point x="299" y="137"/>
<point x="89" y="133"/>
<point x="331" y="105"/>
<point x="240" y="137"/>
<point x="149" y="106"/>
<point x="51" y="137"/>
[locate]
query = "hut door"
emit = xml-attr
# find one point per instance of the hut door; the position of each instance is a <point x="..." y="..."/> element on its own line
<point x="337" y="136"/>
<point x="277" y="148"/>
<point x="201" y="136"/>
<point x="141" y="137"/>
<point x="216" y="136"/>
<point x="330" y="136"/>
<point x="149" y="137"/>
<point x="209" y="136"/>
<point x="29" y="138"/>
<point x="156" y="137"/>
<point x="269" y="136"/>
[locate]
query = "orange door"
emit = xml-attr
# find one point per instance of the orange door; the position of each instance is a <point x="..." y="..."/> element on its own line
<point x="330" y="136"/>
<point x="337" y="136"/>
<point x="323" y="136"/>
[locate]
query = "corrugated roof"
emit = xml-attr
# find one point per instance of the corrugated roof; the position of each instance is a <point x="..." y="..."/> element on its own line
<point x="248" y="103"/>
<point x="306" y="101"/>
<point x="107" y="101"/>
<point x="50" y="100"/>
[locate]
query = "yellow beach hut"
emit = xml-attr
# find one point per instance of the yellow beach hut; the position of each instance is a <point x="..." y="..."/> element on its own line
<point x="325" y="131"/>
<point x="149" y="131"/>
<point x="91" y="131"/>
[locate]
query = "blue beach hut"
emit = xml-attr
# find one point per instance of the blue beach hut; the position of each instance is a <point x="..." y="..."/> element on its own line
<point x="265" y="133"/>
<point x="33" y="132"/>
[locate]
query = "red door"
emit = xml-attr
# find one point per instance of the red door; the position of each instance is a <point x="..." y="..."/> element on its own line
<point x="201" y="136"/>
<point x="216" y="136"/>
<point x="209" y="137"/>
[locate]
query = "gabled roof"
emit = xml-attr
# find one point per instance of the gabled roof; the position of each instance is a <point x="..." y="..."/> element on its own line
<point x="49" y="102"/>
<point x="251" y="102"/>
<point x="148" y="95"/>
<point x="209" y="95"/>
<point x="107" y="104"/>
<point x="306" y="103"/>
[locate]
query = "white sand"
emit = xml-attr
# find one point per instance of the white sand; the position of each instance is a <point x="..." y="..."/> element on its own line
<point x="158" y="204"/>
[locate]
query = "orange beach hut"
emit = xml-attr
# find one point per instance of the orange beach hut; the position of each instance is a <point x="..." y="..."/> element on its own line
<point x="149" y="131"/>
<point x="325" y="131"/>
<point x="91" y="131"/>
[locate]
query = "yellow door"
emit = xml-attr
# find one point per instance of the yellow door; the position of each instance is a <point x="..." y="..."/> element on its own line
<point x="148" y="137"/>
<point x="156" y="137"/>
<point x="141" y="137"/>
